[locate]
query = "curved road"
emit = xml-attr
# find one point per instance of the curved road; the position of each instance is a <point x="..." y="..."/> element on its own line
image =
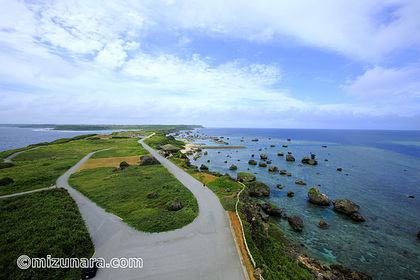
<point x="204" y="249"/>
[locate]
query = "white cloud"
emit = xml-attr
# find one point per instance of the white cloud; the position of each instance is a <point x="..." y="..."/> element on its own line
<point x="53" y="56"/>
<point x="387" y="84"/>
<point x="113" y="55"/>
<point x="367" y="30"/>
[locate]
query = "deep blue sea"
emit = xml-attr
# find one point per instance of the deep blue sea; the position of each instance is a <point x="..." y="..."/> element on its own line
<point x="380" y="170"/>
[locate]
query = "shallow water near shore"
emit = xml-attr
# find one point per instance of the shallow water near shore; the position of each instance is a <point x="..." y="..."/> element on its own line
<point x="380" y="170"/>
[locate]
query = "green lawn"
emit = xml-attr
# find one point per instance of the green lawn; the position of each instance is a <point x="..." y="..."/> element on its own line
<point x="41" y="167"/>
<point x="124" y="193"/>
<point x="227" y="199"/>
<point x="40" y="224"/>
<point x="161" y="139"/>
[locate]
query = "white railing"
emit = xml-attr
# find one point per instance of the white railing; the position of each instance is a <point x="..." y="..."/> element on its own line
<point x="242" y="227"/>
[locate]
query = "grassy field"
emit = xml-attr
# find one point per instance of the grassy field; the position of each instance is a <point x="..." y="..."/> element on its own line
<point x="124" y="193"/>
<point x="220" y="187"/>
<point x="161" y="139"/>
<point x="41" y="167"/>
<point x="40" y="224"/>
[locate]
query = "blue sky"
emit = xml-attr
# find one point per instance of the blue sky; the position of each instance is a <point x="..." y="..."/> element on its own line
<point x="275" y="64"/>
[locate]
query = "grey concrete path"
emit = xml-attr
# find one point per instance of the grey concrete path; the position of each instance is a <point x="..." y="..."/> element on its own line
<point x="204" y="249"/>
<point x="37" y="190"/>
<point x="15" y="154"/>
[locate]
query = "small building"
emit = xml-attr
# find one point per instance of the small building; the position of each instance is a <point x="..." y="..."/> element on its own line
<point x="168" y="149"/>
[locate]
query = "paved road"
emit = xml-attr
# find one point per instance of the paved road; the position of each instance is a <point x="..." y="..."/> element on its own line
<point x="202" y="250"/>
<point x="15" y="154"/>
<point x="37" y="190"/>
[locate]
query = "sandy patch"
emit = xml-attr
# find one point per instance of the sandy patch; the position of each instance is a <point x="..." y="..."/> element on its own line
<point x="109" y="162"/>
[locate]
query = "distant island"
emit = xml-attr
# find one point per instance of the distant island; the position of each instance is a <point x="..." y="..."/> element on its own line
<point x="81" y="127"/>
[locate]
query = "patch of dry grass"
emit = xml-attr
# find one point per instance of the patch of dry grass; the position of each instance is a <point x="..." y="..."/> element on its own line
<point x="108" y="162"/>
<point x="204" y="177"/>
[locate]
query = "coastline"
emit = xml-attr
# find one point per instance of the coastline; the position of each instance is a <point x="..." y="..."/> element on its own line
<point x="294" y="249"/>
<point x="301" y="252"/>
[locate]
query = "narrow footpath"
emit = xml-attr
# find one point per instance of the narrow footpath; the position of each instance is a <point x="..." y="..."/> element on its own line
<point x="204" y="249"/>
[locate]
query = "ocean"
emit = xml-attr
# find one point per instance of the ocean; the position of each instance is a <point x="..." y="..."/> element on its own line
<point x="380" y="172"/>
<point x="16" y="137"/>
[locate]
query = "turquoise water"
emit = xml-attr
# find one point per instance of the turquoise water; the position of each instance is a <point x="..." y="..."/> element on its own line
<point x="380" y="170"/>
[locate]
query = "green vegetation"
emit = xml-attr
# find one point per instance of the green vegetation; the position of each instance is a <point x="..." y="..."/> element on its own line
<point x="7" y="153"/>
<point x="268" y="246"/>
<point x="5" y="165"/>
<point x="243" y="176"/>
<point x="40" y="224"/>
<point x="161" y="139"/>
<point x="115" y="127"/>
<point x="124" y="148"/>
<point x="41" y="167"/>
<point x="124" y="193"/>
<point x="220" y="185"/>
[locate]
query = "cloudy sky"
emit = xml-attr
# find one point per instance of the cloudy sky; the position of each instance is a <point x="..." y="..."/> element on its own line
<point x="236" y="63"/>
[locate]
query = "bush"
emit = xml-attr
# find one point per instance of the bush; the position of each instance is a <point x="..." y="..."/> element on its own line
<point x="124" y="165"/>
<point x="6" y="165"/>
<point x="5" y="181"/>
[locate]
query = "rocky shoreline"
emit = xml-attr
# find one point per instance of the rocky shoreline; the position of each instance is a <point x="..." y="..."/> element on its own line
<point x="256" y="212"/>
<point x="261" y="213"/>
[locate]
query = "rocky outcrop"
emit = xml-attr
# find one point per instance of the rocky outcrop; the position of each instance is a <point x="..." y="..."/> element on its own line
<point x="262" y="164"/>
<point x="272" y="168"/>
<point x="290" y="194"/>
<point x="245" y="177"/>
<point x="197" y="156"/>
<point x="204" y="167"/>
<point x="317" y="197"/>
<point x="295" y="222"/>
<point x="252" y="162"/>
<point x="290" y="158"/>
<point x="257" y="189"/>
<point x="309" y="161"/>
<point x="357" y="217"/>
<point x="233" y="167"/>
<point x="264" y="217"/>
<point x="283" y="172"/>
<point x="305" y="160"/>
<point x="148" y="160"/>
<point x="280" y="154"/>
<point x="331" y="272"/>
<point x="343" y="272"/>
<point x="263" y="156"/>
<point x="298" y="182"/>
<point x="255" y="140"/>
<point x="271" y="209"/>
<point x="322" y="224"/>
<point x="345" y="206"/>
<point x="175" y="206"/>
<point x="153" y="195"/>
